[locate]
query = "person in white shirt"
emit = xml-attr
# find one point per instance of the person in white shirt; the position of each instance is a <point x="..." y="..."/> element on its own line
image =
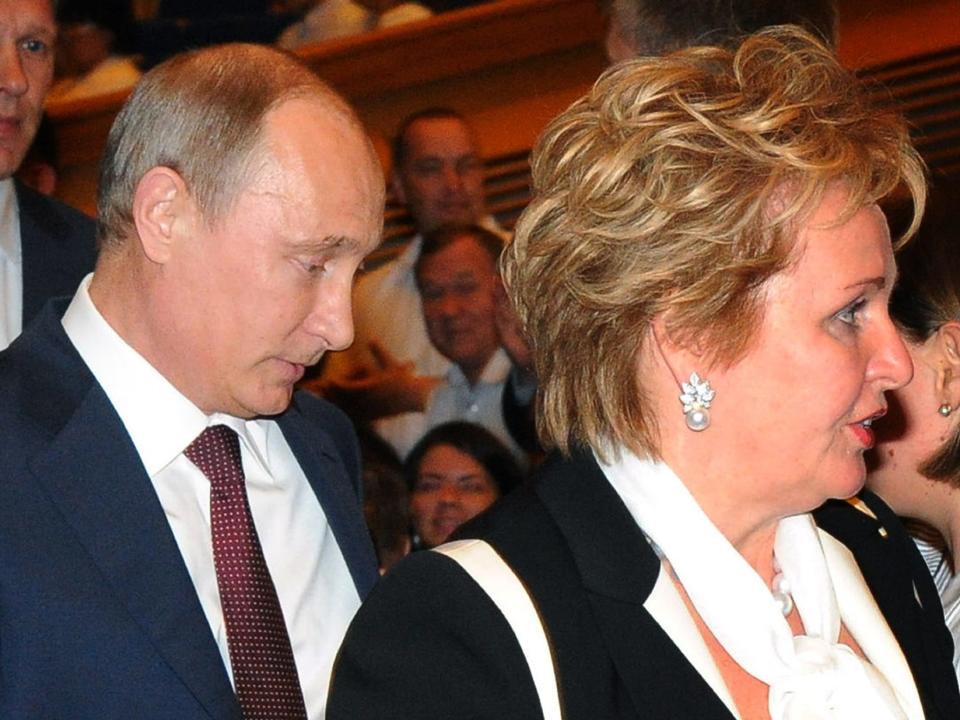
<point x="459" y="280"/>
<point x="238" y="196"/>
<point x="45" y="247"/>
<point x="391" y="368"/>
<point x="93" y="52"/>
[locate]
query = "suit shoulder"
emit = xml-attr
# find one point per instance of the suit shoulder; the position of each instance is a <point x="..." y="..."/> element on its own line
<point x="322" y="412"/>
<point x="468" y="661"/>
<point x="56" y="214"/>
<point x="329" y="421"/>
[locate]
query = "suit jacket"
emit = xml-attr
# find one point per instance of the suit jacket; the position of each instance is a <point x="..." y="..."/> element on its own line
<point x="428" y="643"/>
<point x="98" y="616"/>
<point x="58" y="249"/>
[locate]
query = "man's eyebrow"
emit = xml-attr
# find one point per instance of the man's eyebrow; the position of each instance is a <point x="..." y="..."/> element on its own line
<point x="38" y="28"/>
<point x="330" y="242"/>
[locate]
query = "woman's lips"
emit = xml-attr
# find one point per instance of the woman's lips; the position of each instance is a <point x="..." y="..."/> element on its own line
<point x="863" y="429"/>
<point x="864" y="434"/>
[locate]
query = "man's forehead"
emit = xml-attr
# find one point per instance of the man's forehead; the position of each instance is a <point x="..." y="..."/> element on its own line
<point x="472" y="258"/>
<point x="33" y="15"/>
<point x="437" y="135"/>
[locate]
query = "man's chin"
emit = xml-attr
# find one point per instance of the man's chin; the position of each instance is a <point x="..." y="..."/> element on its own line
<point x="268" y="403"/>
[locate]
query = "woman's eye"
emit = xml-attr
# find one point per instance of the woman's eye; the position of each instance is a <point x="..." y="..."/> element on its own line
<point x="851" y="313"/>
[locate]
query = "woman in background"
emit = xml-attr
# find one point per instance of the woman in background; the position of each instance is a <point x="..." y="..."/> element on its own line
<point x="916" y="466"/>
<point x="455" y="472"/>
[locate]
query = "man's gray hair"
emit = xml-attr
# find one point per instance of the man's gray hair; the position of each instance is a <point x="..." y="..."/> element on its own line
<point x="200" y="114"/>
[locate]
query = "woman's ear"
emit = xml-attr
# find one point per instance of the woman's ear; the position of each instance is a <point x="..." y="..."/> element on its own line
<point x="947" y="347"/>
<point x="682" y="357"/>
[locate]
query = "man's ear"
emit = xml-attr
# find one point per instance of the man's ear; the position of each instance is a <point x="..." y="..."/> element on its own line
<point x="161" y="206"/>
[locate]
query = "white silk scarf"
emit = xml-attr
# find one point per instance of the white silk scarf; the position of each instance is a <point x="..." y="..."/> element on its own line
<point x="810" y="676"/>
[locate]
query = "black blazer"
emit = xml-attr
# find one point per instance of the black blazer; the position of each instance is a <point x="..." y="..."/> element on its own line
<point x="58" y="249"/>
<point x="429" y="644"/>
<point x="98" y="616"/>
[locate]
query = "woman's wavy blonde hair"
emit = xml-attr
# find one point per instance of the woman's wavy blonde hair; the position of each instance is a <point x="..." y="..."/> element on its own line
<point x="671" y="190"/>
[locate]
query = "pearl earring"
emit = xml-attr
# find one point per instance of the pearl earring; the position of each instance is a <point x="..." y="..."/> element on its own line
<point x="945" y="410"/>
<point x="696" y="398"/>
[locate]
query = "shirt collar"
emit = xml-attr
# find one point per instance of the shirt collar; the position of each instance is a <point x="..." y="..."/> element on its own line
<point x="9" y="223"/>
<point x="160" y="420"/>
<point x="495" y="371"/>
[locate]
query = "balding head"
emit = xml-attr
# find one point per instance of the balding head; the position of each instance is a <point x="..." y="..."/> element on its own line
<point x="201" y="114"/>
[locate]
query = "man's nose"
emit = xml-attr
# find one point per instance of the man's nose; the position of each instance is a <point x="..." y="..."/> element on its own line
<point x="13" y="79"/>
<point x="331" y="317"/>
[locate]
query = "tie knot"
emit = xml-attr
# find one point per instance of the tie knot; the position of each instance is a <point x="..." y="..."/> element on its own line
<point x="216" y="451"/>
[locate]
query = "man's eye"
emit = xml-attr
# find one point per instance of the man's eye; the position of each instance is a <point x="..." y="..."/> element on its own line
<point x="35" y="46"/>
<point x="427" y="168"/>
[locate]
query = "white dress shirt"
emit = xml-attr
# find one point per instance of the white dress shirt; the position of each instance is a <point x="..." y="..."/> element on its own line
<point x="11" y="266"/>
<point x="387" y="309"/>
<point x="314" y="586"/>
<point x="481" y="403"/>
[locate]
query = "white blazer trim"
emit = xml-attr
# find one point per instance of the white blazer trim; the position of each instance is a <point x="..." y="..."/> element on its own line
<point x="501" y="584"/>
<point x="670" y="612"/>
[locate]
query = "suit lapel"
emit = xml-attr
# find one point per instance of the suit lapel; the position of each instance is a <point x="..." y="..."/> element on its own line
<point x="619" y="570"/>
<point x="42" y="240"/>
<point x="879" y="543"/>
<point x="92" y="474"/>
<point x="866" y="624"/>
<point x="328" y="477"/>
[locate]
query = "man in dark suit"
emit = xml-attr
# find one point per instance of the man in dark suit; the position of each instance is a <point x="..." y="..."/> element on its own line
<point x="159" y="484"/>
<point x="45" y="247"/>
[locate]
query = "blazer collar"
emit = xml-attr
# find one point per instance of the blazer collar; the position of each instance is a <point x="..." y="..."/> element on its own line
<point x="324" y="467"/>
<point x="43" y="244"/>
<point x="619" y="571"/>
<point x="611" y="553"/>
<point x="909" y="601"/>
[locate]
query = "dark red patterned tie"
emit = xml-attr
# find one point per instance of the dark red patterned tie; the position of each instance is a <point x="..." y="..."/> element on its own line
<point x="264" y="671"/>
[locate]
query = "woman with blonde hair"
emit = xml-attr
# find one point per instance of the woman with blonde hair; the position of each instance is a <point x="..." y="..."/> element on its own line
<point x="704" y="275"/>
